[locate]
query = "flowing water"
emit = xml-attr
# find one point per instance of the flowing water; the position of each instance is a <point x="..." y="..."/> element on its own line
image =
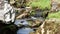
<point x="23" y="30"/>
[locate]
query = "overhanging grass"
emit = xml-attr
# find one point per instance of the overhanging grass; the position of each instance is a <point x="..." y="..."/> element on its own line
<point x="54" y="15"/>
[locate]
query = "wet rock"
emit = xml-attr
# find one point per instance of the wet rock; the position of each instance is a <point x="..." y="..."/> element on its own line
<point x="21" y="23"/>
<point x="8" y="29"/>
<point x="35" y="23"/>
<point x="40" y="13"/>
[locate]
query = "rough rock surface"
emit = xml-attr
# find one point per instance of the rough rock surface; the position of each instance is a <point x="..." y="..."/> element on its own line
<point x="50" y="26"/>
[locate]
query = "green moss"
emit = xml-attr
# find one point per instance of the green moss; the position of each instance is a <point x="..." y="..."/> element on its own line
<point x="54" y="15"/>
<point x="42" y="4"/>
<point x="32" y="12"/>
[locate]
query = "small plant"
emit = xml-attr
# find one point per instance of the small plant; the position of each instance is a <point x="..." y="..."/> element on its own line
<point x="32" y="13"/>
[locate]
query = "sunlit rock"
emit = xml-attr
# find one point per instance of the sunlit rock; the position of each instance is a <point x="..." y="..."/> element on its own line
<point x="55" y="5"/>
<point x="12" y="1"/>
<point x="49" y="26"/>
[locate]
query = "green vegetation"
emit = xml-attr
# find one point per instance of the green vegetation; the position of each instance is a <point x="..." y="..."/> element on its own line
<point x="42" y="4"/>
<point x="32" y="12"/>
<point x="54" y="15"/>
